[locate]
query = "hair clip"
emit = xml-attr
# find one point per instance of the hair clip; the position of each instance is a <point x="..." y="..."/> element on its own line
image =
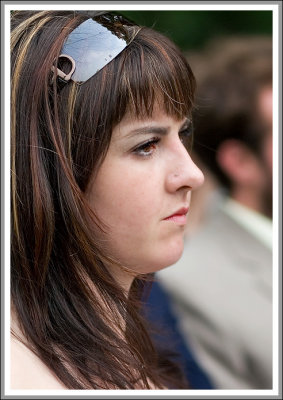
<point x="62" y="75"/>
<point x="94" y="43"/>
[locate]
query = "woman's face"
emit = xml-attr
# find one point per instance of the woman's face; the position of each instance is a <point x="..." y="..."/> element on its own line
<point x="142" y="191"/>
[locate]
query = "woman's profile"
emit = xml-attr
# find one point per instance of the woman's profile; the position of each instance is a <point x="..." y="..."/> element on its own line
<point x="100" y="188"/>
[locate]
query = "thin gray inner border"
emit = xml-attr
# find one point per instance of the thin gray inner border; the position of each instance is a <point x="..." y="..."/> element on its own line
<point x="159" y="3"/>
<point x="165" y="396"/>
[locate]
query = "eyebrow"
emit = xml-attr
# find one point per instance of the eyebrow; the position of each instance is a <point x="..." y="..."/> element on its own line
<point x="159" y="130"/>
<point x="153" y="129"/>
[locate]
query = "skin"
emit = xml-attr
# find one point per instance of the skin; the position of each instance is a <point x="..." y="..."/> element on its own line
<point x="147" y="176"/>
<point x="266" y="111"/>
<point x="252" y="174"/>
<point x="133" y="192"/>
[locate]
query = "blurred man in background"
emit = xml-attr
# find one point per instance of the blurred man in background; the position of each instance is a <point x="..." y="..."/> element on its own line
<point x="221" y="288"/>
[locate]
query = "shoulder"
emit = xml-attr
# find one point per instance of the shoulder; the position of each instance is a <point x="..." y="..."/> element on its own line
<point x="28" y="371"/>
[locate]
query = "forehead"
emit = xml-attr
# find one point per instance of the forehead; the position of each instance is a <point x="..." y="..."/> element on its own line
<point x="132" y="128"/>
<point x="158" y="115"/>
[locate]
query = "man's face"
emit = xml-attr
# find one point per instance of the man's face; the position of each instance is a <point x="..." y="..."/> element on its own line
<point x="266" y="112"/>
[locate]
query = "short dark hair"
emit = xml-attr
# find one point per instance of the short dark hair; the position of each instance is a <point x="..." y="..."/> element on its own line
<point x="230" y="74"/>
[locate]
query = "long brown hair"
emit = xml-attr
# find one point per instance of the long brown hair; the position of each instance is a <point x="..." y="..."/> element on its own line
<point x="63" y="296"/>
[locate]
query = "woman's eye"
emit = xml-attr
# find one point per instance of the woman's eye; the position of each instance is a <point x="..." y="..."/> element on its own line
<point x="186" y="137"/>
<point x="146" y="149"/>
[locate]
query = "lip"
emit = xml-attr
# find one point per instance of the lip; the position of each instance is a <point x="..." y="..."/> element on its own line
<point x="179" y="216"/>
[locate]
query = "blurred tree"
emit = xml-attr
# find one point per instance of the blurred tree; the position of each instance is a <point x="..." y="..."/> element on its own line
<point x="192" y="29"/>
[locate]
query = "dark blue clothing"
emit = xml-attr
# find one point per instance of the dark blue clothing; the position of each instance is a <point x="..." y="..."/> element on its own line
<point x="159" y="313"/>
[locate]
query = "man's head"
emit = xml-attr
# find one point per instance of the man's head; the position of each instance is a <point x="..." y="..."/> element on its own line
<point x="233" y="121"/>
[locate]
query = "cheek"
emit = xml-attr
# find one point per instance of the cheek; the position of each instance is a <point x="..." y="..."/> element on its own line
<point x="266" y="162"/>
<point x="131" y="196"/>
<point x="268" y="152"/>
<point x="131" y="203"/>
<point x="127" y="199"/>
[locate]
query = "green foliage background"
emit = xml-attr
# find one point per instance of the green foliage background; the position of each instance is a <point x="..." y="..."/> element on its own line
<point x="192" y="29"/>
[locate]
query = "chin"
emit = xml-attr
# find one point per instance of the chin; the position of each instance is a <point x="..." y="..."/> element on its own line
<point x="168" y="256"/>
<point x="175" y="250"/>
<point x="173" y="258"/>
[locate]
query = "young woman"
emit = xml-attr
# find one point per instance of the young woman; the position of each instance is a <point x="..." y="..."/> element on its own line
<point x="101" y="183"/>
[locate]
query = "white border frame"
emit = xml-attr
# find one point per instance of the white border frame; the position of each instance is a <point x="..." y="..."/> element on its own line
<point x="176" y="7"/>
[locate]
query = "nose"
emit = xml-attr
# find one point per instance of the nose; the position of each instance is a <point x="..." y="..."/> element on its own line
<point x="183" y="172"/>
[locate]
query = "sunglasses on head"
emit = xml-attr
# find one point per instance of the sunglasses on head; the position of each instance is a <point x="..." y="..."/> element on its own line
<point x="93" y="44"/>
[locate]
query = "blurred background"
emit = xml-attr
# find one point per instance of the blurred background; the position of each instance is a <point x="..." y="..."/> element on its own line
<point x="216" y="301"/>
<point x="190" y="30"/>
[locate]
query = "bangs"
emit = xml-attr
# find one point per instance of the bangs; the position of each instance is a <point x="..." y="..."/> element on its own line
<point x="152" y="69"/>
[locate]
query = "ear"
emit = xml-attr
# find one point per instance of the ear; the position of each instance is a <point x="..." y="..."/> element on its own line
<point x="239" y="163"/>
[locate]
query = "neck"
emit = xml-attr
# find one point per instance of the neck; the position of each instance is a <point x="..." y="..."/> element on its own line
<point x="123" y="277"/>
<point x="252" y="200"/>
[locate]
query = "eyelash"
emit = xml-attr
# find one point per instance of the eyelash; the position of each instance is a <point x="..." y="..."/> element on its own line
<point x="186" y="137"/>
<point x="149" y="144"/>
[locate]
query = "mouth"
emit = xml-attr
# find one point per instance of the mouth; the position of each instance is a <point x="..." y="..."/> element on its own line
<point x="179" y="217"/>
